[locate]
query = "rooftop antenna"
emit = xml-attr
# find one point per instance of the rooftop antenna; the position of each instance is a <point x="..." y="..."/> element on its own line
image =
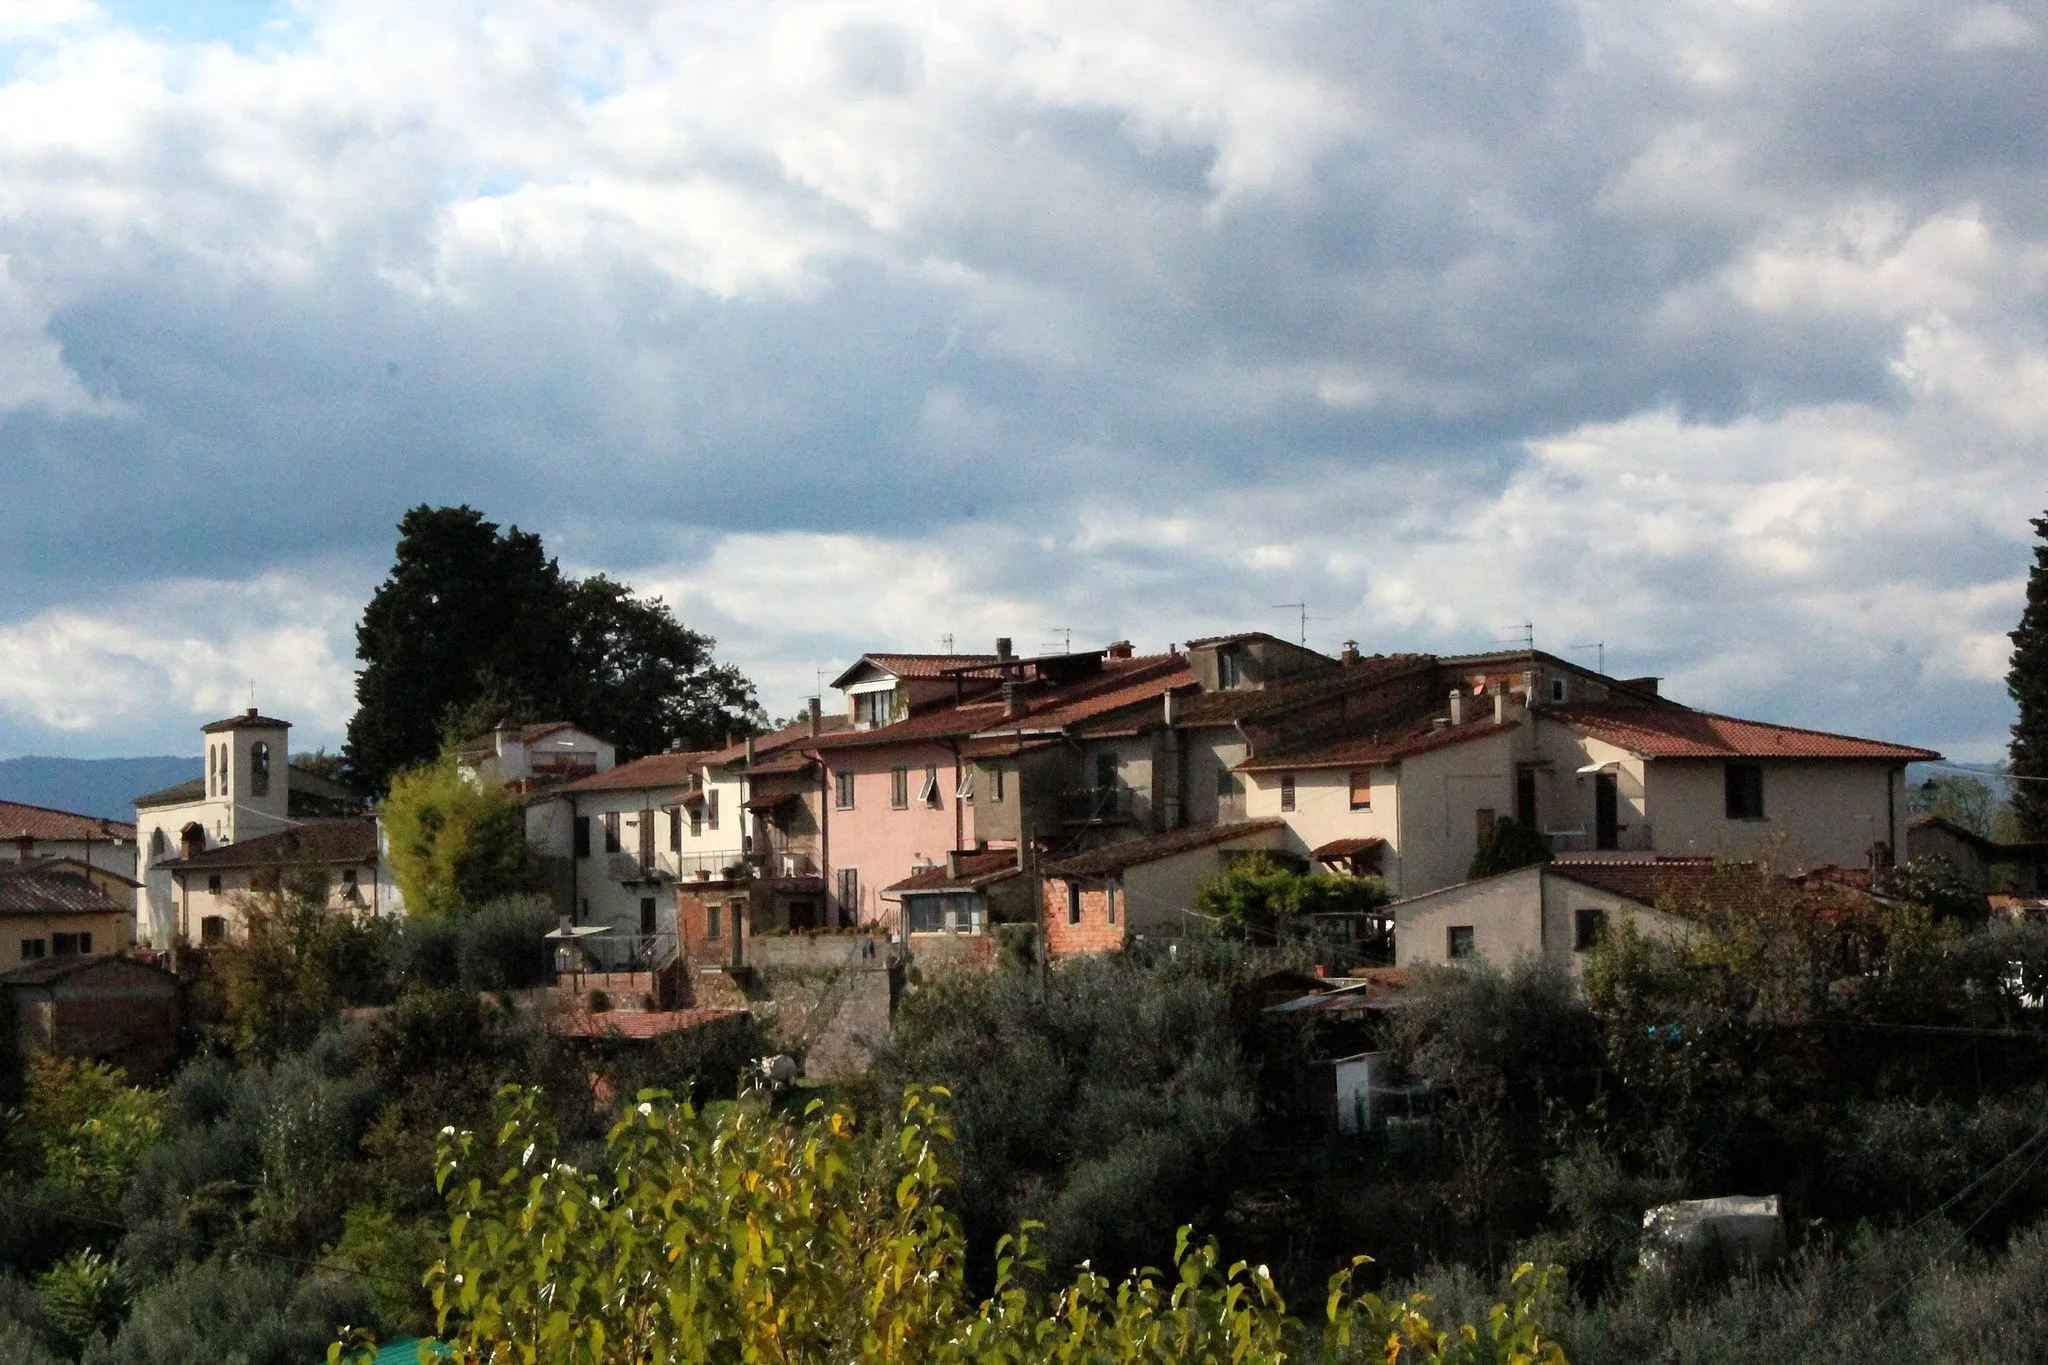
<point x="1601" y="646"/>
<point x="1066" y="634"/>
<point x="1302" y="609"/>
<point x="1525" y="636"/>
<point x="947" y="641"/>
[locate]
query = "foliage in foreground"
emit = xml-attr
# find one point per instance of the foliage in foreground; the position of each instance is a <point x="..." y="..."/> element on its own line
<point x="748" y="1237"/>
<point x="454" y="843"/>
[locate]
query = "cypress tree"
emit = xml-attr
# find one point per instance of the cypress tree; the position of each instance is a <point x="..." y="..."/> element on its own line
<point x="2028" y="683"/>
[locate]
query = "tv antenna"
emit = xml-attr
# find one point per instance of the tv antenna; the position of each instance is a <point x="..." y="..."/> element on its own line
<point x="947" y="641"/>
<point x="1601" y="646"/>
<point x="1301" y="609"/>
<point x="1066" y="634"/>
<point x="1525" y="636"/>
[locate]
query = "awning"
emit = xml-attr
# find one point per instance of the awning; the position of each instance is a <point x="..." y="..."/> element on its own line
<point x="759" y="803"/>
<point x="577" y="931"/>
<point x="1338" y="849"/>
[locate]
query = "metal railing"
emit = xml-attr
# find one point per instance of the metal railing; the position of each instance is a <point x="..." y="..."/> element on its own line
<point x="1633" y="838"/>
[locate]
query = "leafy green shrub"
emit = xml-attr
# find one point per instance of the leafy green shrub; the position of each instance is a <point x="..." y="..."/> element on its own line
<point x="249" y="1313"/>
<point x="1507" y="845"/>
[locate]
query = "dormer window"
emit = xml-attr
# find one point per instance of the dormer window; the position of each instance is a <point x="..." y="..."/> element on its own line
<point x="1229" y="669"/>
<point x="872" y="710"/>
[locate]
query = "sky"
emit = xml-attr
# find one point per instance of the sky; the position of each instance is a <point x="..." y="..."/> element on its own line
<point x="1715" y="334"/>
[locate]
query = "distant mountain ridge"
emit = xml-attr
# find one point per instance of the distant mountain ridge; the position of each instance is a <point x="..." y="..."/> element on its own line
<point x="105" y="787"/>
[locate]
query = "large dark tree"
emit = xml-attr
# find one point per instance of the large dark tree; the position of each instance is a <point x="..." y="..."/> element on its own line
<point x="475" y="625"/>
<point x="2028" y="683"/>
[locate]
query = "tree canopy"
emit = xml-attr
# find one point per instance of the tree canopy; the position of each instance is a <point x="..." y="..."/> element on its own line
<point x="455" y="845"/>
<point x="2028" y="683"/>
<point x="474" y="625"/>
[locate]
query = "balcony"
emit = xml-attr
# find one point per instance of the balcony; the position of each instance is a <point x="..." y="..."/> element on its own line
<point x="1098" y="806"/>
<point x="1635" y="838"/>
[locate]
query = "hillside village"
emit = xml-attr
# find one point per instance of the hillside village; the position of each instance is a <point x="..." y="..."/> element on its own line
<point x="1079" y="799"/>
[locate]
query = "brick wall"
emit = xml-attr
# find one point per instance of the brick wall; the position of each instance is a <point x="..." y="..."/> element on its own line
<point x="1094" y="934"/>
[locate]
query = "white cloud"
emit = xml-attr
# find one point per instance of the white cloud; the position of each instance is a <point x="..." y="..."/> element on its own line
<point x="1992" y="27"/>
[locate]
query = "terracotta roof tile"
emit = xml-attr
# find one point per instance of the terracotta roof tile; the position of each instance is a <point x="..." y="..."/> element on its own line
<point x="1134" y="852"/>
<point x="1227" y="708"/>
<point x="1351" y="753"/>
<point x="37" y="890"/>
<point x="248" y="720"/>
<point x="1673" y="731"/>
<point x="41" y="822"/>
<point x="976" y="870"/>
<point x="638" y="1024"/>
<point x="655" y="770"/>
<point x="350" y="840"/>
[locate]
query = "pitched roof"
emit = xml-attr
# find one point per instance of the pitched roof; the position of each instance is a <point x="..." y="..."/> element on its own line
<point x="486" y="743"/>
<point x="37" y="889"/>
<point x="52" y="969"/>
<point x="915" y="665"/>
<point x="1227" y="708"/>
<point x="183" y="794"/>
<point x="348" y="840"/>
<point x="655" y="770"/>
<point x="42" y="822"/>
<point x="1243" y="636"/>
<point x="1673" y="731"/>
<point x="1122" y="683"/>
<point x="976" y="870"/>
<point x="248" y="720"/>
<point x="78" y="868"/>
<point x="1103" y="862"/>
<point x="1353" y="753"/>
<point x="1639" y="880"/>
<point x="777" y="741"/>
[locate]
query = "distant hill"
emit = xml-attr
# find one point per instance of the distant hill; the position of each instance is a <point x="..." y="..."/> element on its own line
<point x="91" y="786"/>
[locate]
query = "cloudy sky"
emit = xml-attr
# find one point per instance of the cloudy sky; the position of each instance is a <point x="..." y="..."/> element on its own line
<point x="1715" y="332"/>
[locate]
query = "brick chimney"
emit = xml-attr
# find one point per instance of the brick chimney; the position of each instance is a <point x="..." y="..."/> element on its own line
<point x="1013" y="700"/>
<point x="1121" y="649"/>
<point x="814" y="716"/>
<point x="953" y="864"/>
<point x="1003" y="647"/>
<point x="1350" y="655"/>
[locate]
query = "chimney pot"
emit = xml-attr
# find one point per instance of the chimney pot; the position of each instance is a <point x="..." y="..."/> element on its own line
<point x="1457" y="706"/>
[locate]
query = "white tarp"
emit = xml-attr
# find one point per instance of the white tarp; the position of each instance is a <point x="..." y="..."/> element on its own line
<point x="1697" y="1234"/>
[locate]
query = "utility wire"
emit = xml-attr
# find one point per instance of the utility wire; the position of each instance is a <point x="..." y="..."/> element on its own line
<point x="1952" y="1200"/>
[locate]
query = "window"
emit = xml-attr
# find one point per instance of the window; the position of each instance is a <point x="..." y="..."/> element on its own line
<point x="849" y="891"/>
<point x="1587" y="928"/>
<point x="648" y="922"/>
<point x="646" y="821"/>
<point x="213" y="929"/>
<point x="1525" y="796"/>
<point x="871" y="709"/>
<point x="1073" y="902"/>
<point x="611" y="831"/>
<point x="995" y="784"/>
<point x="929" y="792"/>
<point x="1745" y="788"/>
<point x="711" y="808"/>
<point x="842" y="789"/>
<point x="711" y="918"/>
<point x="1287" y="791"/>
<point x="1226" y="783"/>
<point x="31" y="949"/>
<point x="1229" y="669"/>
<point x="1557" y="689"/>
<point x="158" y="845"/>
<point x="675" y="829"/>
<point x="1482" y="820"/>
<point x="213" y="883"/>
<point x="1105" y="770"/>
<point x="1109" y="902"/>
<point x="583" y="836"/>
<point x="899" y="789"/>
<point x="966" y="792"/>
<point x="348" y="876"/>
<point x="213" y="770"/>
<point x="259" y="769"/>
<point x="70" y="945"/>
<point x="696" y="819"/>
<point x="1458" y="942"/>
<point x="1361" y="789"/>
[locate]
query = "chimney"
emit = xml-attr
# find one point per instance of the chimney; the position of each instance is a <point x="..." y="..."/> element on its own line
<point x="510" y="743"/>
<point x="1002" y="646"/>
<point x="1013" y="699"/>
<point x="953" y="864"/>
<point x="1172" y="708"/>
<point x="250" y="713"/>
<point x="1121" y="649"/>
<point x="1457" y="706"/>
<point x="1500" y="703"/>
<point x="23" y="847"/>
<point x="814" y="716"/>
<point x="1350" y="655"/>
<point x="750" y="751"/>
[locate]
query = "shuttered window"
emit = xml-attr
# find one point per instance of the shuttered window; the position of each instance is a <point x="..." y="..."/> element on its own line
<point x="1361" y="789"/>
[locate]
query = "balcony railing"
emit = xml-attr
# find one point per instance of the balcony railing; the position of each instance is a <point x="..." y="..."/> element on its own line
<point x="1097" y="805"/>
<point x="1632" y="838"/>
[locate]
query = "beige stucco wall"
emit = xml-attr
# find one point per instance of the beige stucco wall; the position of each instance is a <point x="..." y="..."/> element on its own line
<point x="1133" y="756"/>
<point x="1441" y="793"/>
<point x="1564" y="795"/>
<point x="1815" y="813"/>
<point x="1154" y="894"/>
<point x="1526" y="913"/>
<point x="196" y="901"/>
<point x="1211" y="749"/>
<point x="109" y="934"/>
<point x="1322" y="810"/>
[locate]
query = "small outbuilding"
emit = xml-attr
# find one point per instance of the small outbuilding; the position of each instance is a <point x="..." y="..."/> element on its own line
<point x="107" y="1008"/>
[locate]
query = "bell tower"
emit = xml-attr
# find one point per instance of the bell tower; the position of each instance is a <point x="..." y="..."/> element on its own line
<point x="248" y="771"/>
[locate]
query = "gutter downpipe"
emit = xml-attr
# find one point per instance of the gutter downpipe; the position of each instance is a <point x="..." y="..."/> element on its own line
<point x="575" y="886"/>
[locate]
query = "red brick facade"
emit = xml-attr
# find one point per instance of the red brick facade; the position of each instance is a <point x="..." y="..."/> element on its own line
<point x="1095" y="932"/>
